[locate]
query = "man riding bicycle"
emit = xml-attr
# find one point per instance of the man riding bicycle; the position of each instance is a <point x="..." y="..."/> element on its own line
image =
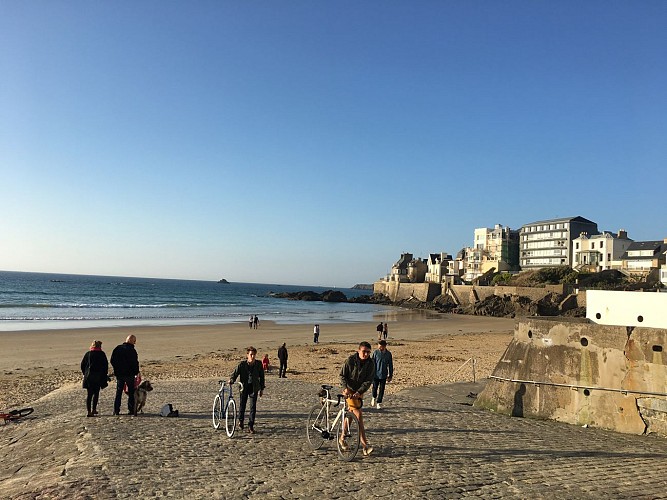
<point x="356" y="377"/>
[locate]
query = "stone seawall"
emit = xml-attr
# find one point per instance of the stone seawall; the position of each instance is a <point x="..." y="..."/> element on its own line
<point x="464" y="295"/>
<point x="583" y="373"/>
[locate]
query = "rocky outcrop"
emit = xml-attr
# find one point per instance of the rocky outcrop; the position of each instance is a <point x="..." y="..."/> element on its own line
<point x="362" y="286"/>
<point x="502" y="306"/>
<point x="224" y="281"/>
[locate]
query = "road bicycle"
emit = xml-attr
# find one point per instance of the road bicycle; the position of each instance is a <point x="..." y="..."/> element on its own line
<point x="15" y="415"/>
<point x="225" y="406"/>
<point x="344" y="427"/>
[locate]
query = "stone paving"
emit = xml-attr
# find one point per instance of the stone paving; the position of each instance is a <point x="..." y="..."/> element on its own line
<point x="429" y="443"/>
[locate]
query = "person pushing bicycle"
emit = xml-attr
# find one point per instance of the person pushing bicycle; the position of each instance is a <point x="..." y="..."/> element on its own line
<point x="356" y="377"/>
<point x="251" y="375"/>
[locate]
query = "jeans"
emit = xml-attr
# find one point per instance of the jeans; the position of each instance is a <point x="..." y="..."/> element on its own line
<point x="245" y="395"/>
<point x="120" y="385"/>
<point x="378" y="388"/>
<point x="283" y="369"/>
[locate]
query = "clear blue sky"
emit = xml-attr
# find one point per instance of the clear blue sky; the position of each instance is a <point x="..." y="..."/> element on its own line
<point x="305" y="142"/>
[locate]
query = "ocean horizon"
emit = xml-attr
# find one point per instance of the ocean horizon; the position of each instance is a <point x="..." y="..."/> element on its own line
<point x="51" y="301"/>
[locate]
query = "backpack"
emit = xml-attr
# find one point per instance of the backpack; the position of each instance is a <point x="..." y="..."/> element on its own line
<point x="168" y="411"/>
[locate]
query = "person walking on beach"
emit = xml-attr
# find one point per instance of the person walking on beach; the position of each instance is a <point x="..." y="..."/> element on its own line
<point x="265" y="363"/>
<point x="255" y="322"/>
<point x="251" y="320"/>
<point x="282" y="356"/>
<point x="356" y="377"/>
<point x="251" y="375"/>
<point x="94" y="367"/>
<point x="125" y="362"/>
<point x="316" y="334"/>
<point x="384" y="372"/>
<point x="385" y="331"/>
<point x="379" y="329"/>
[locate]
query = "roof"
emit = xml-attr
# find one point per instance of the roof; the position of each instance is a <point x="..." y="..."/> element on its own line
<point x="577" y="218"/>
<point x="655" y="246"/>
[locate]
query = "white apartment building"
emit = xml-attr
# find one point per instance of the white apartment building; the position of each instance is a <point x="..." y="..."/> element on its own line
<point x="496" y="248"/>
<point x="599" y="252"/>
<point x="548" y="243"/>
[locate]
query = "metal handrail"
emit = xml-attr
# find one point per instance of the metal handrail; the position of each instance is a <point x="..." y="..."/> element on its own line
<point x="575" y="386"/>
<point x="474" y="361"/>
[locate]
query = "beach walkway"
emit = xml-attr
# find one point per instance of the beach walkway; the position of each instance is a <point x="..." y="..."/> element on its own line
<point x="429" y="442"/>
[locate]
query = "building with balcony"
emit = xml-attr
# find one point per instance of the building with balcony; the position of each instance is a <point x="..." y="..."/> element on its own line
<point x="548" y="243"/>
<point x="599" y="252"/>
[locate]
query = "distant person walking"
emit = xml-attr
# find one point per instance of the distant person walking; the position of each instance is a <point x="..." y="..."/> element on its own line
<point x="282" y="356"/>
<point x="255" y="322"/>
<point x="379" y="329"/>
<point x="125" y="362"/>
<point x="94" y="367"/>
<point x="251" y="320"/>
<point x="265" y="363"/>
<point x="385" y="331"/>
<point x="251" y="375"/>
<point x="316" y="334"/>
<point x="384" y="372"/>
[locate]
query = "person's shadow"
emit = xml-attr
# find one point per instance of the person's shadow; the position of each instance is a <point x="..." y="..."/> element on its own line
<point x="517" y="410"/>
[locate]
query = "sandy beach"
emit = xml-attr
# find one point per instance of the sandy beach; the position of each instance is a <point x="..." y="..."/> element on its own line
<point x="427" y="349"/>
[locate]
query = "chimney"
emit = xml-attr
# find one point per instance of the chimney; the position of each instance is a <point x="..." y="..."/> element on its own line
<point x="622" y="234"/>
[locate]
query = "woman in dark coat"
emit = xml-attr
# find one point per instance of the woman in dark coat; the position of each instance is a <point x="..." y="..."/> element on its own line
<point x="94" y="367"/>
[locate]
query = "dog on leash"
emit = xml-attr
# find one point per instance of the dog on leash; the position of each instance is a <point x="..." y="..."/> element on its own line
<point x="140" y="395"/>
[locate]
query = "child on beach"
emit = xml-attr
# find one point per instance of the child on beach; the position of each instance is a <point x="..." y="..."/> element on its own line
<point x="265" y="362"/>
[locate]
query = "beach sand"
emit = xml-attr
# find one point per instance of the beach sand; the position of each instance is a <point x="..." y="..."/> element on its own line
<point x="427" y="349"/>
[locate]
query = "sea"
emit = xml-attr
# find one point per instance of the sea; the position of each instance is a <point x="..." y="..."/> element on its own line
<point x="41" y="301"/>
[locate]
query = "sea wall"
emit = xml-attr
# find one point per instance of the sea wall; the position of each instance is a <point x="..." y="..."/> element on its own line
<point x="396" y="291"/>
<point x="612" y="377"/>
<point x="464" y="295"/>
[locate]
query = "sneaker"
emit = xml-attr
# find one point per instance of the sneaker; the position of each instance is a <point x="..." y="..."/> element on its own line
<point x="372" y="401"/>
<point x="343" y="445"/>
<point x="251" y="430"/>
<point x="367" y="451"/>
<point x="239" y="425"/>
<point x="378" y="406"/>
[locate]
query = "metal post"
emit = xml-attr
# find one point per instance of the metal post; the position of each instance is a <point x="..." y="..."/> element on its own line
<point x="474" y="380"/>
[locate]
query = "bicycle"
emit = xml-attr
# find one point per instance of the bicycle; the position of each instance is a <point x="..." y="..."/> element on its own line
<point x="322" y="426"/>
<point x="224" y="404"/>
<point x="15" y="415"/>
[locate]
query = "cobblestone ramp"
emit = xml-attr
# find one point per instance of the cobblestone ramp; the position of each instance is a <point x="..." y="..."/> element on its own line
<point x="429" y="442"/>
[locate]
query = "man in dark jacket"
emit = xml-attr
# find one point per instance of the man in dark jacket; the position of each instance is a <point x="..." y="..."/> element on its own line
<point x="251" y="375"/>
<point x="356" y="376"/>
<point x="282" y="356"/>
<point x="125" y="364"/>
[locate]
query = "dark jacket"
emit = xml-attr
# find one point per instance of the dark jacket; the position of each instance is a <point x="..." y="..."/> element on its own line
<point x="94" y="367"/>
<point x="282" y="353"/>
<point x="125" y="361"/>
<point x="357" y="375"/>
<point x="384" y="364"/>
<point x="244" y="371"/>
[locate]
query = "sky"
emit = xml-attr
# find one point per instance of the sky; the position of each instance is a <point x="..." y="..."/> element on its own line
<point x="311" y="143"/>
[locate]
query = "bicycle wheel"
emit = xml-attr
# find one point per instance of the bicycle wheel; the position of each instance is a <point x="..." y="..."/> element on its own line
<point x="316" y="426"/>
<point x="351" y="424"/>
<point x="217" y="411"/>
<point x="24" y="412"/>
<point x="230" y="418"/>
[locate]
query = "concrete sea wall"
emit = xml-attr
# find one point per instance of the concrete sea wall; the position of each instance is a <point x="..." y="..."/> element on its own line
<point x="464" y="295"/>
<point x="612" y="377"/>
